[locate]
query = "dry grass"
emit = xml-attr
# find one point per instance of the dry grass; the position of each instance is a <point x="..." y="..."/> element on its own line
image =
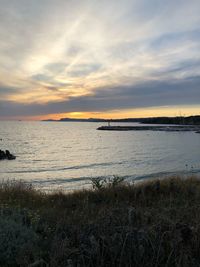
<point x="155" y="223"/>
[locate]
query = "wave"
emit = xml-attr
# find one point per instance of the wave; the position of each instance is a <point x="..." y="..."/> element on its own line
<point x="77" y="167"/>
<point x="129" y="178"/>
<point x="167" y="174"/>
<point x="61" y="181"/>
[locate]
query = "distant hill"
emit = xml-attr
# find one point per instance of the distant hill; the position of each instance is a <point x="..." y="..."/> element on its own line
<point x="83" y="120"/>
<point x="191" y="120"/>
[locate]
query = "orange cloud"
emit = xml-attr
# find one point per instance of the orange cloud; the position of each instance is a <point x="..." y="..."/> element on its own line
<point x="118" y="114"/>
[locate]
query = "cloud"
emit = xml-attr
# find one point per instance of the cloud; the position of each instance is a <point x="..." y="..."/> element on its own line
<point x="59" y="56"/>
<point x="6" y="89"/>
<point x="83" y="70"/>
<point x="149" y="94"/>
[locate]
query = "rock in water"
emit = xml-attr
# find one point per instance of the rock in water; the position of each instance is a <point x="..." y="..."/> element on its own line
<point x="6" y="155"/>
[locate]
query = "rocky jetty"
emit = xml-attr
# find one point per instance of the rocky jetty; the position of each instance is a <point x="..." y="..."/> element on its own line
<point x="169" y="128"/>
<point x="6" y="155"/>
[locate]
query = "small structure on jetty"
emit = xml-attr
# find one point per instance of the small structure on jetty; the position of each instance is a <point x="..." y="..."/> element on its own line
<point x="6" y="155"/>
<point x="150" y="128"/>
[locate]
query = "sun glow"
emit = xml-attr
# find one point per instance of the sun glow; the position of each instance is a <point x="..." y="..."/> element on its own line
<point x="98" y="59"/>
<point x="118" y="114"/>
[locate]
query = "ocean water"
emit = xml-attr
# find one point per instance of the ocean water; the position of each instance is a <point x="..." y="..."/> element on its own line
<point x="67" y="154"/>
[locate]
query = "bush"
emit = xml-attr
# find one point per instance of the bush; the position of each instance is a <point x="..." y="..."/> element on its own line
<point x="156" y="223"/>
<point x="102" y="182"/>
<point x="18" y="241"/>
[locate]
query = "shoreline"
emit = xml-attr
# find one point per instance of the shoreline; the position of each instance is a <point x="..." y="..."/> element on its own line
<point x="84" y="183"/>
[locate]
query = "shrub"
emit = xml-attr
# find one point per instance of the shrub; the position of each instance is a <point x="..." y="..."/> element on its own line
<point x="102" y="182"/>
<point x="18" y="240"/>
<point x="98" y="182"/>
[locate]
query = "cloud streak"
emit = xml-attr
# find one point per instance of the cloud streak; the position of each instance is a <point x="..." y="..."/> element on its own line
<point x="67" y="56"/>
<point x="149" y="94"/>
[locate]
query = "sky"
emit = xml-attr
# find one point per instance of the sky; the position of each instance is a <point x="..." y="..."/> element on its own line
<point x="105" y="59"/>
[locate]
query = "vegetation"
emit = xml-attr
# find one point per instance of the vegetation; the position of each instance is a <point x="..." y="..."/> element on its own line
<point x="181" y="120"/>
<point x="191" y="120"/>
<point x="155" y="223"/>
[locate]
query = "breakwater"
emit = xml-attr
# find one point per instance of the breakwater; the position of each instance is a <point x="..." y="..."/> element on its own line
<point x="150" y="128"/>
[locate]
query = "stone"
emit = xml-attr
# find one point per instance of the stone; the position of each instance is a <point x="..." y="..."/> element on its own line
<point x="6" y="155"/>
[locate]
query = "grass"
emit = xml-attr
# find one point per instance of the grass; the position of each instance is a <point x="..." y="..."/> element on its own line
<point x="155" y="223"/>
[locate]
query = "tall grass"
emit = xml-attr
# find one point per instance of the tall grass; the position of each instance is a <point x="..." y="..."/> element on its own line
<point x="155" y="223"/>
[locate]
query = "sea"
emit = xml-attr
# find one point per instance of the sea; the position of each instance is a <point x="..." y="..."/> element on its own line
<point x="66" y="155"/>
